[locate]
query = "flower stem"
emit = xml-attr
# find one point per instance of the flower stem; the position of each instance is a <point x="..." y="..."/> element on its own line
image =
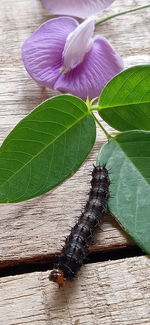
<point x="101" y="126"/>
<point x="121" y="13"/>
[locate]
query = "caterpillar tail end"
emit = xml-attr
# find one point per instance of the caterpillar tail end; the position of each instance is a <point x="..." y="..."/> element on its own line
<point x="57" y="276"/>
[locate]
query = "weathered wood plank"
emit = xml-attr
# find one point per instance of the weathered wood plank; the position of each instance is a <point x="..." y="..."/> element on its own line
<point x="112" y="293"/>
<point x="34" y="228"/>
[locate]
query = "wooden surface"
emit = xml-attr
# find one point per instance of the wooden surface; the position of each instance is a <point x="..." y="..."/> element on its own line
<point x="106" y="293"/>
<point x="34" y="228"/>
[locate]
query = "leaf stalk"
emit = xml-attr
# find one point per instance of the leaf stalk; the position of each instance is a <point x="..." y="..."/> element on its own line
<point x="101" y="126"/>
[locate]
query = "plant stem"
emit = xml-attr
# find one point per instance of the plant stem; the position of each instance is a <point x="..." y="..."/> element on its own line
<point x="101" y="126"/>
<point x="121" y="13"/>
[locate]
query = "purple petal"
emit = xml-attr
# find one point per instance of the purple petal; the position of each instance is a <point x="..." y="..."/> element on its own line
<point x="42" y="51"/>
<point x="100" y="65"/>
<point x="78" y="8"/>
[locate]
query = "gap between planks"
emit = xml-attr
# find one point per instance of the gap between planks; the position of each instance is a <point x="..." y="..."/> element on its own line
<point x="42" y="263"/>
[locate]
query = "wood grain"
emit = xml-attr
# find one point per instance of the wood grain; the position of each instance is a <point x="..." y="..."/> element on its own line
<point x="34" y="228"/>
<point x="108" y="293"/>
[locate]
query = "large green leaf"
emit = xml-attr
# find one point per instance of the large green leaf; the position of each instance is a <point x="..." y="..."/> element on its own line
<point x="125" y="101"/>
<point x="127" y="157"/>
<point x="45" y="148"/>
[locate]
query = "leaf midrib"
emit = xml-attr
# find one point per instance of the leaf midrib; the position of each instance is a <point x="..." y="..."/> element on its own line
<point x="66" y="130"/>
<point x="119" y="105"/>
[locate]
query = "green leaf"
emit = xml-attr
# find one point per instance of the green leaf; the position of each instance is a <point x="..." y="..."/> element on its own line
<point x="125" y="101"/>
<point x="45" y="148"/>
<point x="127" y="157"/>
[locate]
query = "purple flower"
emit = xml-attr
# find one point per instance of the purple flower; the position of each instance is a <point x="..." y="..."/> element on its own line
<point x="78" y="8"/>
<point x="62" y="54"/>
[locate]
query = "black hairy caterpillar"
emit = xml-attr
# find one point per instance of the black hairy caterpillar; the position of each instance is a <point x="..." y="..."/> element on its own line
<point x="76" y="244"/>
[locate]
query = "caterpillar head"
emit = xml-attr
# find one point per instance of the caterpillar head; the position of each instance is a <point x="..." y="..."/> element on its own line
<point x="57" y="276"/>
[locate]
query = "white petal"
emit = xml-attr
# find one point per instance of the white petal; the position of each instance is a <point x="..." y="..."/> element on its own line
<point x="78" y="43"/>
